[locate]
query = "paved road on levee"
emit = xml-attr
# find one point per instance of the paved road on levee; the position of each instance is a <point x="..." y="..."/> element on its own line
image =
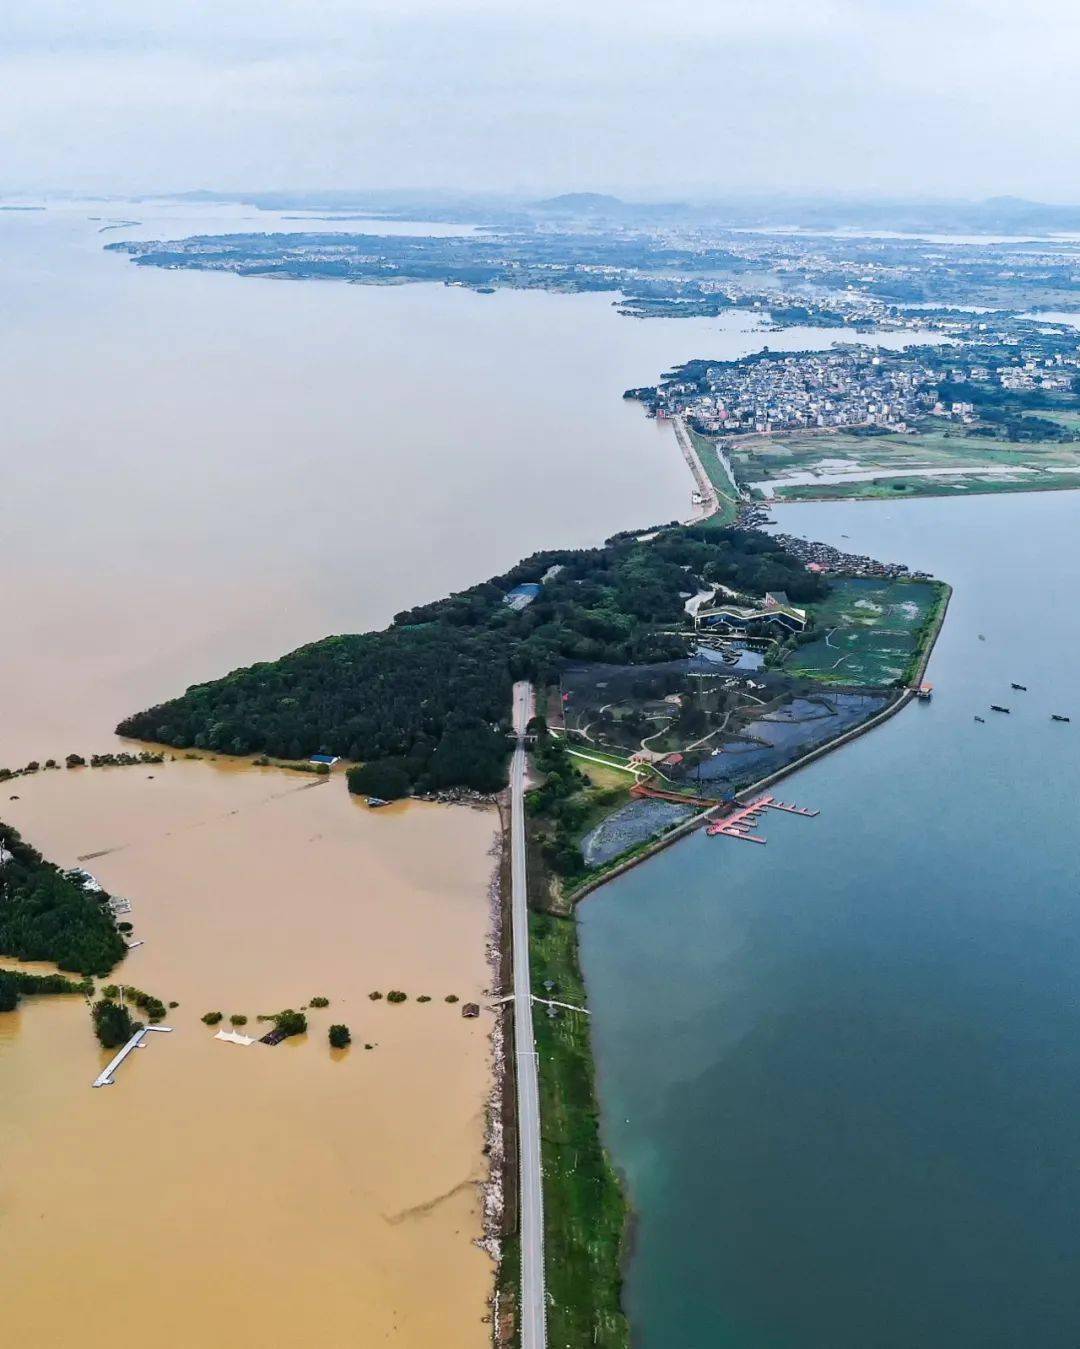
<point x="533" y="1297"/>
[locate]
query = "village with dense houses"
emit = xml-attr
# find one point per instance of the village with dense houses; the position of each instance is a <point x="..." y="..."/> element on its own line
<point x="848" y="387"/>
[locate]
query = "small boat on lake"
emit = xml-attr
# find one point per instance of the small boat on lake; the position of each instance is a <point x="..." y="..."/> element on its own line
<point x="1056" y="716"/>
<point x="375" y="801"/>
<point x="996" y="707"/>
<point x="1021" y="687"/>
<point x="982" y="719"/>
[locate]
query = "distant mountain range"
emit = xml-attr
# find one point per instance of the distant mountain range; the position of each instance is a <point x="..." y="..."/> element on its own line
<point x="995" y="215"/>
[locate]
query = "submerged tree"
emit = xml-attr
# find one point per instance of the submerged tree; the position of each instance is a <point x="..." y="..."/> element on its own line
<point x="112" y="1023"/>
<point x="289" y="1022"/>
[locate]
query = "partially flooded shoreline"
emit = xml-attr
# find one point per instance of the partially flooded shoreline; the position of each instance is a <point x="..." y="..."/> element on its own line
<point x="228" y="1192"/>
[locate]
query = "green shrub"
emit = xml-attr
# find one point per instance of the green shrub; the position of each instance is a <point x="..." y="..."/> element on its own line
<point x="211" y="1018"/>
<point x="320" y="1002"/>
<point x="339" y="1037"/>
<point x="375" y="996"/>
<point x="423" y="998"/>
<point x="396" y="995"/>
<point x="238" y="1019"/>
<point x="451" y="997"/>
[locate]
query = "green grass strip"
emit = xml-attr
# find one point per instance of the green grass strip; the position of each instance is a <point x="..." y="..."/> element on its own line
<point x="584" y="1209"/>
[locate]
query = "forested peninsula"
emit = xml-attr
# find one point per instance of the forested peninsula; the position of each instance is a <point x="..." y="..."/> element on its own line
<point x="47" y="914"/>
<point x="428" y="698"/>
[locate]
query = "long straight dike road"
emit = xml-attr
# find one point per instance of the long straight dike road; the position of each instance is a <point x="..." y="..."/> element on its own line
<point x="531" y="1181"/>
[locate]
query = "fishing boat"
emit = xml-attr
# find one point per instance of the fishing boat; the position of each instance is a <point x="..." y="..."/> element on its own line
<point x="996" y="707"/>
<point x="1056" y="716"/>
<point x="375" y="801"/>
<point x="1021" y="687"/>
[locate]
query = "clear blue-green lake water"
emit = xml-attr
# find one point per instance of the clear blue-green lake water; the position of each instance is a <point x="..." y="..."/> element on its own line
<point x="841" y="1073"/>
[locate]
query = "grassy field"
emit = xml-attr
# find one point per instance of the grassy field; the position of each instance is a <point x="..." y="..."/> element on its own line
<point x="889" y="489"/>
<point x="872" y="631"/>
<point x="584" y="1212"/>
<point x="1062" y="416"/>
<point x="586" y="753"/>
<point x="607" y="779"/>
<point x="904" y="464"/>
<point x="710" y="461"/>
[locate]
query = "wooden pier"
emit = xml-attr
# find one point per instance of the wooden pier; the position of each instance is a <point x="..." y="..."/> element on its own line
<point x="739" y="823"/>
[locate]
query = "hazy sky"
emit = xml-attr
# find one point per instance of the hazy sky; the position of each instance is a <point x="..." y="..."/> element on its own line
<point x="949" y="97"/>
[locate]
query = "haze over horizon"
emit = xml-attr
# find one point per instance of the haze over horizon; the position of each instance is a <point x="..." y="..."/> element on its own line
<point x="875" y="98"/>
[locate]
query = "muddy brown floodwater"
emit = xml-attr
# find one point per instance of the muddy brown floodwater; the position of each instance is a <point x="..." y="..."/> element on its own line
<point x="225" y="1195"/>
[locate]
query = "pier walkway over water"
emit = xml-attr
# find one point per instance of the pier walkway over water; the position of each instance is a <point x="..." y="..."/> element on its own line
<point x="105" y="1078"/>
<point x="738" y="823"/>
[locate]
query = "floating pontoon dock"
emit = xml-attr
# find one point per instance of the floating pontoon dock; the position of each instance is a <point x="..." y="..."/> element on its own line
<point x="738" y="823"/>
<point x="105" y="1078"/>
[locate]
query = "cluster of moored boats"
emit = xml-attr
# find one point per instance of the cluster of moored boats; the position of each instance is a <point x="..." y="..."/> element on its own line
<point x="1022" y="688"/>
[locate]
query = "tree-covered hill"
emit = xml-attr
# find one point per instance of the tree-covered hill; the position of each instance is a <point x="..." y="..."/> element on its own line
<point x="432" y="691"/>
<point x="45" y="915"/>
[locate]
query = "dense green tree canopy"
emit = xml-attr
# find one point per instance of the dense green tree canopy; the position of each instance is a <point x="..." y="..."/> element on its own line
<point x="385" y="778"/>
<point x="431" y="693"/>
<point x="45" y="915"/>
<point x="112" y="1023"/>
<point x="9" y="993"/>
<point x="14" y="983"/>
